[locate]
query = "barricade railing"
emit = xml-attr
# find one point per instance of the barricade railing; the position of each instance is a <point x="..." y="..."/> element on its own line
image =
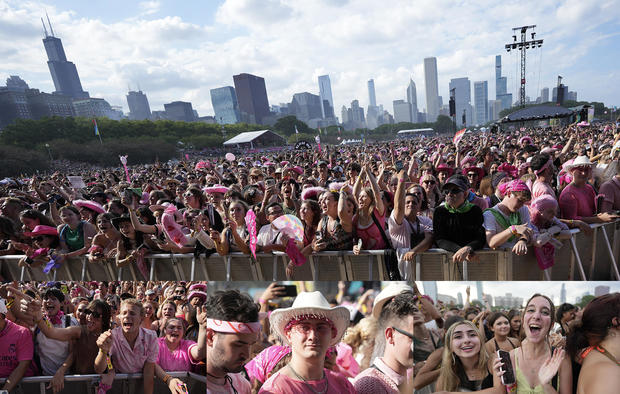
<point x="123" y="384"/>
<point x="582" y="257"/>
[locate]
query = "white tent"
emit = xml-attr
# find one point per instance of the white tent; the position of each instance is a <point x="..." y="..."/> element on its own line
<point x="263" y="137"/>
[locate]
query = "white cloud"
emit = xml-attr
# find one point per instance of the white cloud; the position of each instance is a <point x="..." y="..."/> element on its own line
<point x="291" y="42"/>
<point x="150" y="7"/>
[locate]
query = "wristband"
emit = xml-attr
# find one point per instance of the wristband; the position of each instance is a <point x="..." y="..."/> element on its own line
<point x="167" y="378"/>
<point x="401" y="180"/>
<point x="262" y="301"/>
<point x="513" y="230"/>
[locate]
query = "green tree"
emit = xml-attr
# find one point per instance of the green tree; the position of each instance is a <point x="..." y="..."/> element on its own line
<point x="585" y="300"/>
<point x="443" y="124"/>
<point x="286" y="126"/>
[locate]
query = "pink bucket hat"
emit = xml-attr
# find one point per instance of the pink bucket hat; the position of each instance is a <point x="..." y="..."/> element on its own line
<point x="42" y="230"/>
<point x="92" y="205"/>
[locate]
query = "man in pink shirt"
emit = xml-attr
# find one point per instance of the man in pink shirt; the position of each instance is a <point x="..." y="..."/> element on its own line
<point x="611" y="191"/>
<point x="578" y="199"/>
<point x="395" y="368"/>
<point x="131" y="348"/>
<point x="16" y="349"/>
<point x="232" y="329"/>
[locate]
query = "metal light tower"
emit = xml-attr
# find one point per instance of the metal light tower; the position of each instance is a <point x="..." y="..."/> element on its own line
<point x="523" y="45"/>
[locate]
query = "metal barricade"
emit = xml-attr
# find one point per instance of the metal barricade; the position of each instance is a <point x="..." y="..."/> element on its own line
<point x="582" y="257"/>
<point x="123" y="384"/>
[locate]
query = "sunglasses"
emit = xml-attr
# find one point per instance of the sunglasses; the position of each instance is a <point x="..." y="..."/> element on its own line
<point x="452" y="191"/>
<point x="410" y="335"/>
<point x="95" y="314"/>
<point x="38" y="239"/>
<point x="472" y="174"/>
<point x="430" y="182"/>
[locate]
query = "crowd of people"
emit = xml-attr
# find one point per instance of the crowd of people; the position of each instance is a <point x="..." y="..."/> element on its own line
<point x="521" y="190"/>
<point x="397" y="339"/>
<point x="79" y="328"/>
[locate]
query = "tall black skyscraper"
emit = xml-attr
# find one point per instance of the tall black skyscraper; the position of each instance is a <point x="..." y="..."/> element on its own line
<point x="252" y="98"/>
<point x="64" y="73"/>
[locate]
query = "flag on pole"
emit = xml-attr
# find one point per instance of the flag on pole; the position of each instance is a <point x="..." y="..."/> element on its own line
<point x="96" y="128"/>
<point x="296" y="131"/>
<point x="458" y="136"/>
<point x="320" y="132"/>
<point x="318" y="141"/>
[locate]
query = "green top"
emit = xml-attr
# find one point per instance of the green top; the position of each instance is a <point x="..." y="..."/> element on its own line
<point x="523" y="386"/>
<point x="73" y="238"/>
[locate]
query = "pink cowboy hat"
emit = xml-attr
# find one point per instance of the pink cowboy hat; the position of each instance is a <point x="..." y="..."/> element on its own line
<point x="92" y="205"/>
<point x="42" y="230"/>
<point x="215" y="189"/>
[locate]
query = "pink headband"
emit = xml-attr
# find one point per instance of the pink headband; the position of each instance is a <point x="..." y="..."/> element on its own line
<point x="233" y="327"/>
<point x="516" y="185"/>
<point x="300" y="318"/>
<point x="547" y="164"/>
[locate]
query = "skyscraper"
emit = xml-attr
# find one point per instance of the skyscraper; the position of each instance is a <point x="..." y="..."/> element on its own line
<point x="252" y="98"/>
<point x="225" y="105"/>
<point x="481" y="101"/>
<point x="325" y="93"/>
<point x="479" y="291"/>
<point x="432" y="88"/>
<point x="139" y="108"/>
<point x="305" y="106"/>
<point x="412" y="99"/>
<point x="402" y="111"/>
<point x="180" y="110"/>
<point x="372" y="99"/>
<point x="501" y="89"/>
<point x="462" y="100"/>
<point x="544" y="95"/>
<point x="64" y="74"/>
<point x="563" y="294"/>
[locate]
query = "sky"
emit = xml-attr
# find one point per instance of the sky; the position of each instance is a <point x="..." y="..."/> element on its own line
<point x="179" y="50"/>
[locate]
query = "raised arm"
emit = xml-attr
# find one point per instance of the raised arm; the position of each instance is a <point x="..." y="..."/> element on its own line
<point x="346" y="218"/>
<point x="377" y="193"/>
<point x="399" y="199"/>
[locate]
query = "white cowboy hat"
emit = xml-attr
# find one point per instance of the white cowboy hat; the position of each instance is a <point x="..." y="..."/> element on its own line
<point x="3" y="308"/>
<point x="579" y="162"/>
<point x="391" y="291"/>
<point x="310" y="303"/>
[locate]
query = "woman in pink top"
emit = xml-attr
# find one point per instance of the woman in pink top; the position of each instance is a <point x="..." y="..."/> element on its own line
<point x="370" y="204"/>
<point x="176" y="353"/>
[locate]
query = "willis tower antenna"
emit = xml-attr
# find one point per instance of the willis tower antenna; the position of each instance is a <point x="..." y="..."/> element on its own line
<point x="523" y="45"/>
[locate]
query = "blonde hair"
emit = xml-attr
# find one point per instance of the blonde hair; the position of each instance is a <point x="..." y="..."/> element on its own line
<point x="361" y="338"/>
<point x="450" y="363"/>
<point x="133" y="302"/>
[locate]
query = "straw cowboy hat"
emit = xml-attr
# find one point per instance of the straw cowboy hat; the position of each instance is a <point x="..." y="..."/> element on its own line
<point x="391" y="291"/>
<point x="313" y="305"/>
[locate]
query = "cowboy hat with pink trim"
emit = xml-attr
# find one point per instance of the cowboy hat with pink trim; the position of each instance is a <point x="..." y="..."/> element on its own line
<point x="199" y="294"/>
<point x="580" y="161"/>
<point x="478" y="170"/>
<point x="92" y="205"/>
<point x="198" y="286"/>
<point x="42" y="230"/>
<point x="215" y="189"/>
<point x="445" y="168"/>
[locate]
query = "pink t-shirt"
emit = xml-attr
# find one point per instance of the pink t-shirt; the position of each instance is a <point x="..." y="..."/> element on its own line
<point x="611" y="191"/>
<point x="577" y="202"/>
<point x="15" y="345"/>
<point x="128" y="360"/>
<point x="380" y="380"/>
<point x="179" y="360"/>
<point x="541" y="188"/>
<point x="239" y="383"/>
<point x="282" y="384"/>
<point x="371" y="232"/>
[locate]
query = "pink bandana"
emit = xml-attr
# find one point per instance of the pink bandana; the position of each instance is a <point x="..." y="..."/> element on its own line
<point x="262" y="365"/>
<point x="516" y="185"/>
<point x="57" y="318"/>
<point x="233" y="327"/>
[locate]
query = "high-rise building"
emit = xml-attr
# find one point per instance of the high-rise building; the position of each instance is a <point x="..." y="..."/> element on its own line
<point x="501" y="88"/>
<point x="64" y="74"/>
<point x="139" y="108"/>
<point x="497" y="108"/>
<point x="432" y="89"/>
<point x="180" y="110"/>
<point x="402" y="111"/>
<point x="15" y="84"/>
<point x="601" y="290"/>
<point x="571" y="96"/>
<point x="93" y="108"/>
<point x="412" y="99"/>
<point x="544" y="95"/>
<point x="225" y="105"/>
<point x="13" y="105"/>
<point x="372" y="98"/>
<point x="462" y="100"/>
<point x="563" y="294"/>
<point x="252" y="98"/>
<point x="481" y="101"/>
<point x="325" y="93"/>
<point x="479" y="291"/>
<point x="306" y="107"/>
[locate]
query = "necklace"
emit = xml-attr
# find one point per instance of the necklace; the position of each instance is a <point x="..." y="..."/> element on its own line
<point x="309" y="386"/>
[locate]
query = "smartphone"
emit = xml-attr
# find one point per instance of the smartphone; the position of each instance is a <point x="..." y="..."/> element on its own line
<point x="359" y="243"/>
<point x="270" y="182"/>
<point x="509" y="376"/>
<point x="290" y="291"/>
<point x="127" y="197"/>
<point x="399" y="165"/>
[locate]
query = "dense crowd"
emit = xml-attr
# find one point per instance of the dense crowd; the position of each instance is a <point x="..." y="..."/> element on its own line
<point x="521" y="190"/>
<point x="79" y="328"/>
<point x="367" y="342"/>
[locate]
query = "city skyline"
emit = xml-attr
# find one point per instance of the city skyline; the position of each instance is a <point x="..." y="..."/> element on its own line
<point x="176" y="56"/>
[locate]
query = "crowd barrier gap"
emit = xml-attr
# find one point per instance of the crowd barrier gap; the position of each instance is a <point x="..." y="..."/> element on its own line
<point x="582" y="257"/>
<point x="123" y="384"/>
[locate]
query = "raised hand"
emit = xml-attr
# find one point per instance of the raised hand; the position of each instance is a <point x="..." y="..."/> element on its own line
<point x="104" y="342"/>
<point x="551" y="366"/>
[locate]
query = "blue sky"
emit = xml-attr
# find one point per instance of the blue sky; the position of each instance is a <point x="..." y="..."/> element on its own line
<point x="179" y="50"/>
